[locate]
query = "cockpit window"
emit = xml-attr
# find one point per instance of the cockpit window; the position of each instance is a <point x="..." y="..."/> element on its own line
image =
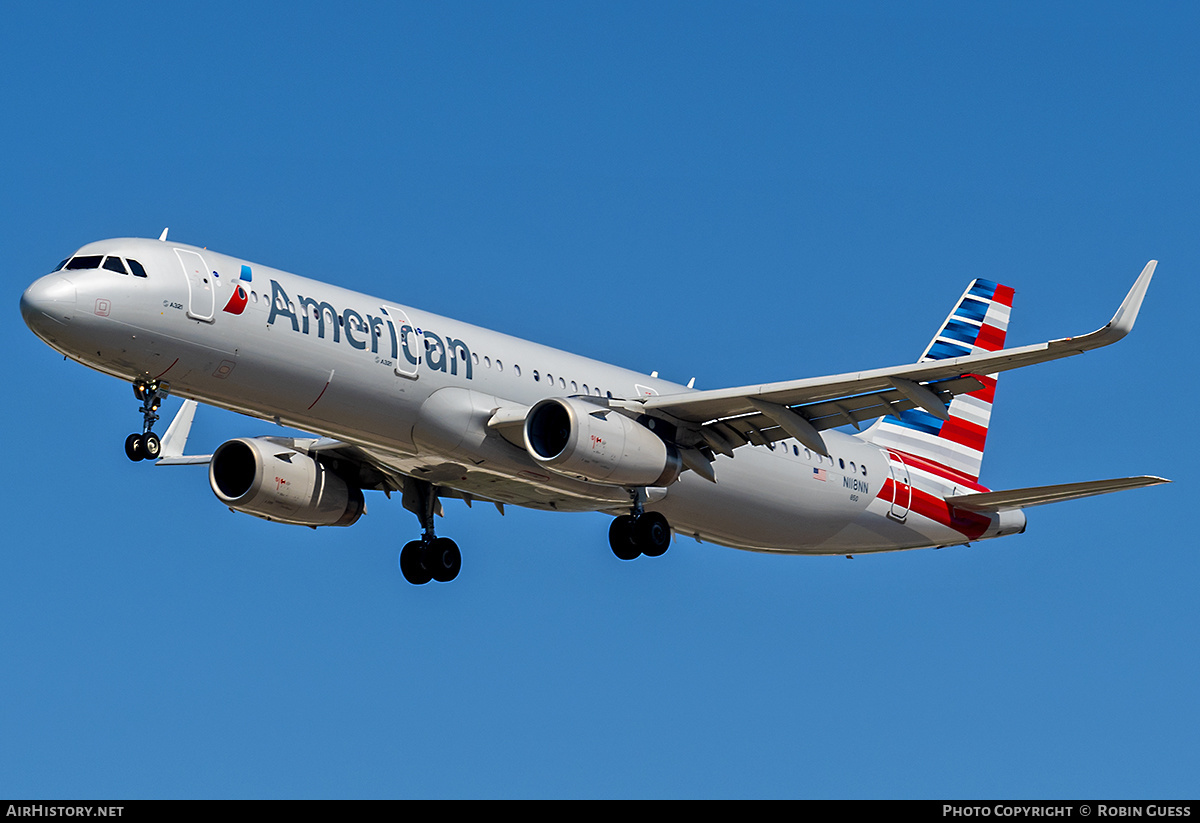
<point x="136" y="268"/>
<point x="115" y="264"/>
<point x="60" y="266"/>
<point x="90" y="261"/>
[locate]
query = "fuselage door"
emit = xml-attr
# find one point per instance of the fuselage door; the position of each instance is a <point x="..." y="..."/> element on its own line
<point x="901" y="487"/>
<point x="409" y="343"/>
<point x="202" y="300"/>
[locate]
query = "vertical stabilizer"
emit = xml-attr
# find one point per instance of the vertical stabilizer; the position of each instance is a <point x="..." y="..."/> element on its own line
<point x="977" y="324"/>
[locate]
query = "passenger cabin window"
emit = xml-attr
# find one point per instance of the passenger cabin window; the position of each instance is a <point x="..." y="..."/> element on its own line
<point x="136" y="268"/>
<point x="115" y="264"/>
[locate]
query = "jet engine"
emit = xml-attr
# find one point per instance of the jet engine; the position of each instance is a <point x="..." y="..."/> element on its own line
<point x="581" y="439"/>
<point x="278" y="483"/>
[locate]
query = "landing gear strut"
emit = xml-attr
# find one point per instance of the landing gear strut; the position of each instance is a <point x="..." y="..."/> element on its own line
<point x="431" y="557"/>
<point x="641" y="532"/>
<point x="146" y="446"/>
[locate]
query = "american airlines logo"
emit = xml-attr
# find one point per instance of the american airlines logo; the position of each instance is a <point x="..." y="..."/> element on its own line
<point x="363" y="330"/>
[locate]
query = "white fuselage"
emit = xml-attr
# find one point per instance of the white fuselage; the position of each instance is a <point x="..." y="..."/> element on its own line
<point x="415" y="391"/>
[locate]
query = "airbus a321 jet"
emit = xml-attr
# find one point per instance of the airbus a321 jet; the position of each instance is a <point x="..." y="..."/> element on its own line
<point x="401" y="400"/>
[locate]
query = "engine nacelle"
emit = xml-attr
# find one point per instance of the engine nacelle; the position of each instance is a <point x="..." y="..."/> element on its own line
<point x="277" y="483"/>
<point x="581" y="439"/>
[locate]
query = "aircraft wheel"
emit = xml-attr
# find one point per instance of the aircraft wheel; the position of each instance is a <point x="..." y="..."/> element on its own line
<point x="133" y="447"/>
<point x="652" y="534"/>
<point x="442" y="559"/>
<point x="410" y="564"/>
<point x="620" y="538"/>
<point x="151" y="446"/>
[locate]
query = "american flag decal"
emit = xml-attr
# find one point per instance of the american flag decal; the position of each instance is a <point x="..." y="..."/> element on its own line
<point x="819" y="474"/>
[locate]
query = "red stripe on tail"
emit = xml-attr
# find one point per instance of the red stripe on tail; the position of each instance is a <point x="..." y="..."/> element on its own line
<point x="967" y="434"/>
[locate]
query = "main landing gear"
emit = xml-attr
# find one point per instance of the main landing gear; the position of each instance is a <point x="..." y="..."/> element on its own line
<point x="146" y="446"/>
<point x="639" y="533"/>
<point x="431" y="557"/>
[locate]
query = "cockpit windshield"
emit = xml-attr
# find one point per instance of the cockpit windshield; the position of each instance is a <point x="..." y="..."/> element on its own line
<point x="91" y="261"/>
<point x="98" y="261"/>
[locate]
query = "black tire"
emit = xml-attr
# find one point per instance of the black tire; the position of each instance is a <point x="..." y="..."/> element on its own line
<point x="151" y="446"/>
<point x="620" y="538"/>
<point x="443" y="560"/>
<point x="652" y="534"/>
<point x="410" y="564"/>
<point x="133" y="448"/>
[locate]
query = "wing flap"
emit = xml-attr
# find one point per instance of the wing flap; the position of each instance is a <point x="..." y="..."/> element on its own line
<point x="763" y="426"/>
<point x="1040" y="495"/>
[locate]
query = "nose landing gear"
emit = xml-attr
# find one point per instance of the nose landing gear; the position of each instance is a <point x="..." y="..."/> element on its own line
<point x="146" y="446"/>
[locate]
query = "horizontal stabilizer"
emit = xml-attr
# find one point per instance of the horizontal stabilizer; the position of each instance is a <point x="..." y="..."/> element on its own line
<point x="1040" y="495"/>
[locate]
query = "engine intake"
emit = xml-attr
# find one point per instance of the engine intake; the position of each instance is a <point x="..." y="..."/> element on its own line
<point x="274" y="482"/>
<point x="581" y="439"/>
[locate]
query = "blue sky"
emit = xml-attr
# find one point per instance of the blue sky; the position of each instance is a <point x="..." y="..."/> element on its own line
<point x="734" y="192"/>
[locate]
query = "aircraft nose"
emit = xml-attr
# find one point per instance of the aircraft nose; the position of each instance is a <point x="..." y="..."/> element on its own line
<point x="50" y="298"/>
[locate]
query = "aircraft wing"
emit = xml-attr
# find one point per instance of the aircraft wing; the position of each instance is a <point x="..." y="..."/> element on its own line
<point x="727" y="418"/>
<point x="1040" y="495"/>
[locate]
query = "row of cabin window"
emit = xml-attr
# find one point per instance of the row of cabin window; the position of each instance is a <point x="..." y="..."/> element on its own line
<point x="537" y="377"/>
<point x="808" y="455"/>
<point x="99" y="261"/>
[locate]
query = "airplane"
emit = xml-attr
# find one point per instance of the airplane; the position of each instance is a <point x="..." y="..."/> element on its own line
<point x="402" y="400"/>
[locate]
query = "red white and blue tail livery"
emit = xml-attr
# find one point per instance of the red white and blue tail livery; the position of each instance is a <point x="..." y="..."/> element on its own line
<point x="977" y="325"/>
